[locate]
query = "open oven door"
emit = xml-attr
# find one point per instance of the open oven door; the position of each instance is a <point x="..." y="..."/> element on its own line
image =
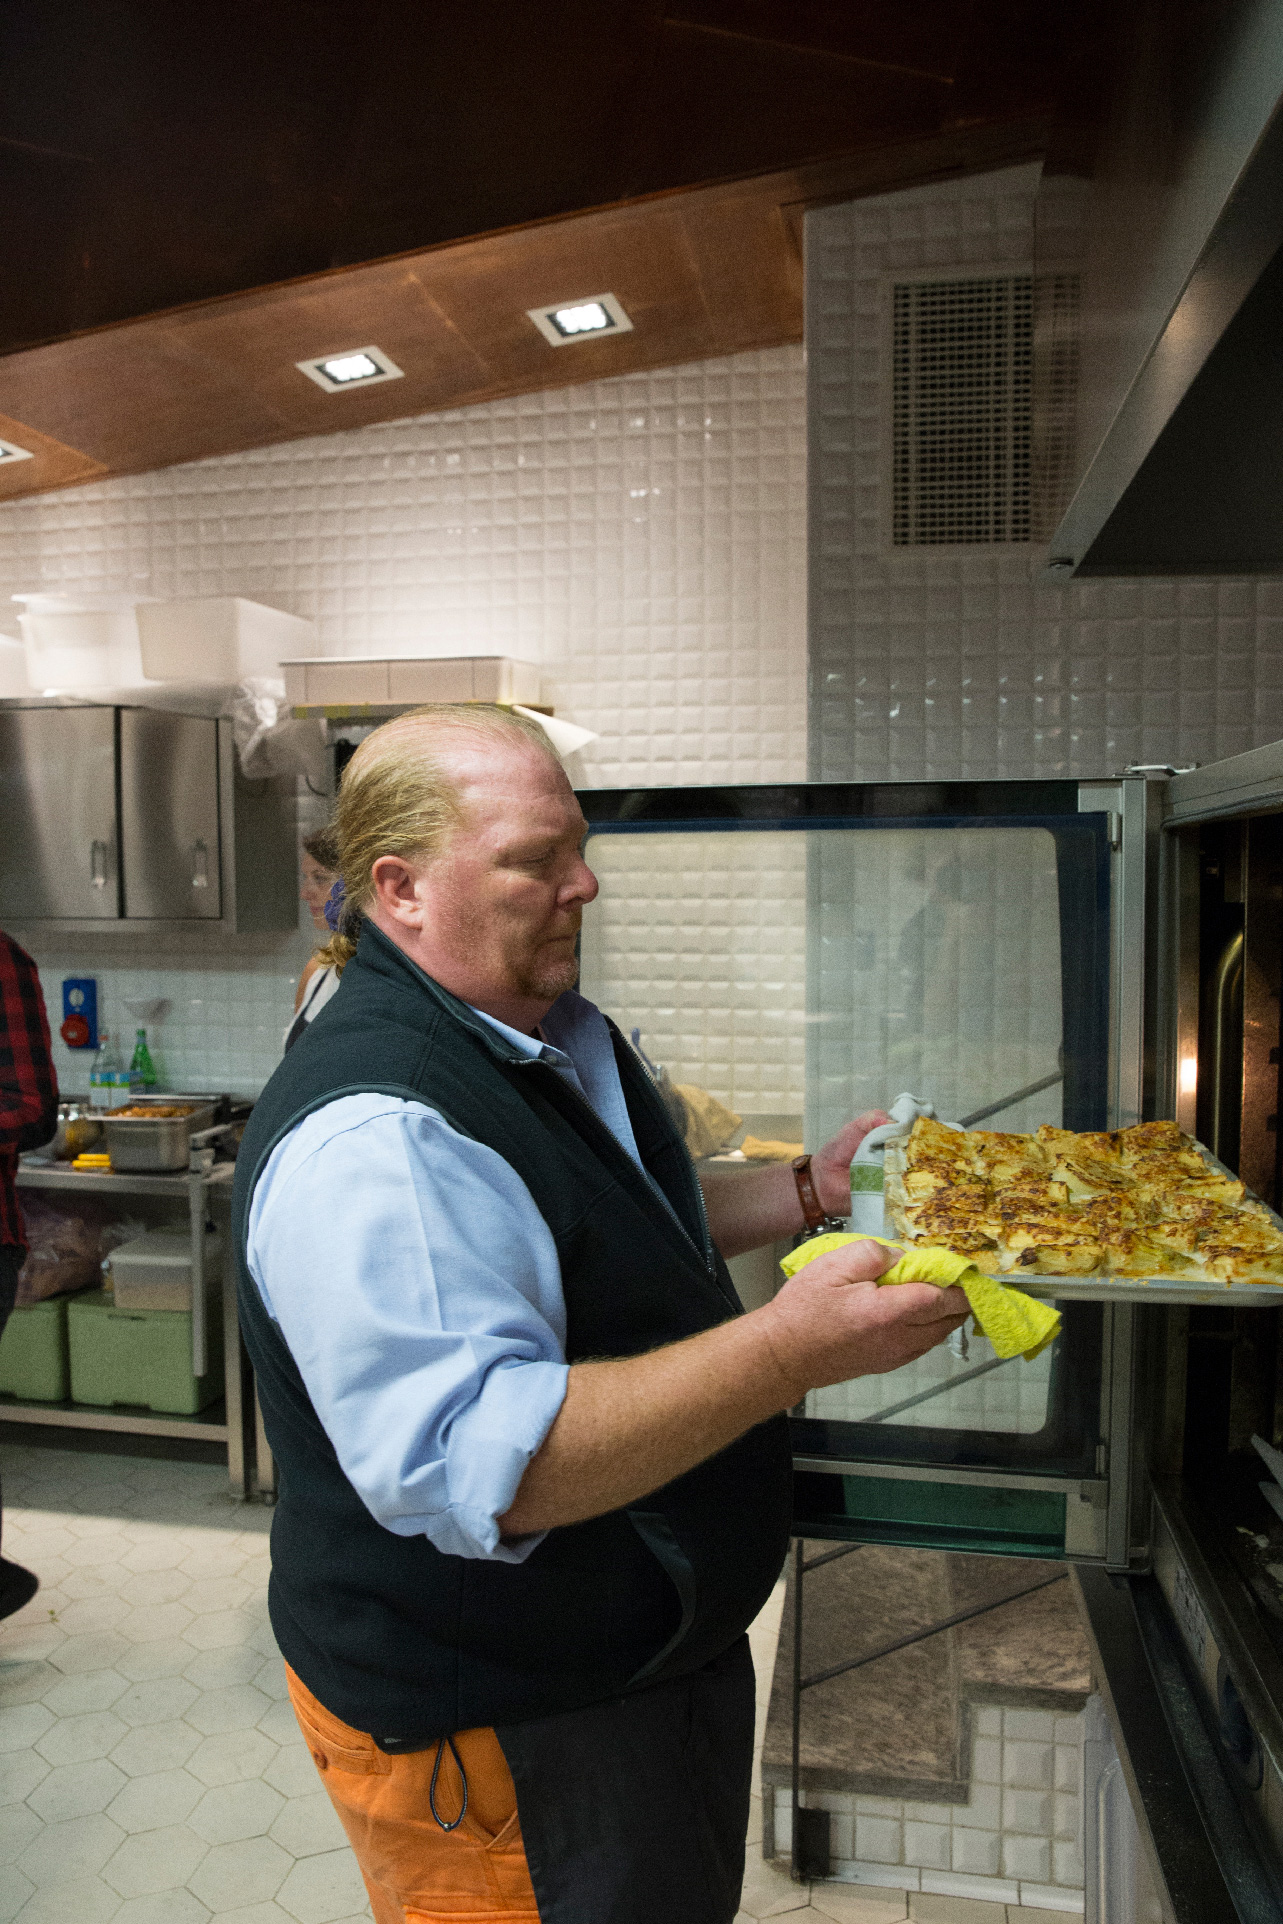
<point x="803" y="953"/>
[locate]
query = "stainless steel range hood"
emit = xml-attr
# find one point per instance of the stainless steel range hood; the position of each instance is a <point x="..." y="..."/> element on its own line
<point x="1180" y="405"/>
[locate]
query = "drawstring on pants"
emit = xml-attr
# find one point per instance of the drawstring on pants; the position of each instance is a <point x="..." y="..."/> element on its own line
<point x="432" y="1788"/>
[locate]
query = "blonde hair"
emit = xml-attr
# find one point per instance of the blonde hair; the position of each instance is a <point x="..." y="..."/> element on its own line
<point x="397" y="797"/>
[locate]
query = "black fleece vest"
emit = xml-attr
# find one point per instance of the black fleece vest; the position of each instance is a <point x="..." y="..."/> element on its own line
<point x="390" y="1634"/>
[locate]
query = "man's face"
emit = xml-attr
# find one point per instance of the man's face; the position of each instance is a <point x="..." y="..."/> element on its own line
<point x="496" y="915"/>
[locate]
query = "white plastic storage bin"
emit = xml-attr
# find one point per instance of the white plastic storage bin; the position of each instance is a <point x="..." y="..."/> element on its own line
<point x="336" y="681"/>
<point x="219" y="639"/>
<point x="76" y="643"/>
<point x="154" y="1271"/>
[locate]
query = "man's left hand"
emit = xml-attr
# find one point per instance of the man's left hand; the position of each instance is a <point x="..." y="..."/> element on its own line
<point x="831" y="1166"/>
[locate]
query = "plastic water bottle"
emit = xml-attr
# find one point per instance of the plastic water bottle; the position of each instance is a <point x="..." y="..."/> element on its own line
<point x="100" y="1089"/>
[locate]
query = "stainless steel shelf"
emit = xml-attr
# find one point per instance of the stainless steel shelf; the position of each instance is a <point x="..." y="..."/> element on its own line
<point x="208" y="1426"/>
<point x="36" y="1174"/>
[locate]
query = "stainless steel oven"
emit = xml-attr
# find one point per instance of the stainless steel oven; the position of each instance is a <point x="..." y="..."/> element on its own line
<point x="1085" y="954"/>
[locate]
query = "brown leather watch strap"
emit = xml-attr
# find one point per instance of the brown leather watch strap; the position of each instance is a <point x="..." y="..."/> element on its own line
<point x="813" y="1215"/>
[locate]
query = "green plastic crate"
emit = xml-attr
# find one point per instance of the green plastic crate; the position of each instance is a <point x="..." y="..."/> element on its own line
<point x="33" y="1353"/>
<point x="142" y="1357"/>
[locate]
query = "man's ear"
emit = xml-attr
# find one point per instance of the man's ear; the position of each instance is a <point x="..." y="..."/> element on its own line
<point x="394" y="890"/>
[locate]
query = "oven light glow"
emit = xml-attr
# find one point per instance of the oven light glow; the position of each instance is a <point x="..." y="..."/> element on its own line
<point x="1189" y="1075"/>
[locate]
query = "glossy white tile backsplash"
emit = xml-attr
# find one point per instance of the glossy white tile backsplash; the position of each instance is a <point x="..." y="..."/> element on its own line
<point x="952" y="663"/>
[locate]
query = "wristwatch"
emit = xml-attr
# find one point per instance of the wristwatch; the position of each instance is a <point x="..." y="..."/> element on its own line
<point x="815" y="1217"/>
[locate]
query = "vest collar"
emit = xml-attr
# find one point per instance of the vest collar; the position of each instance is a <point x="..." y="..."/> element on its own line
<point x="375" y="952"/>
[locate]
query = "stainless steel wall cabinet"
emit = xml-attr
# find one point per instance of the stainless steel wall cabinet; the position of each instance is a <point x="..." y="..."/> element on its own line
<point x="134" y="817"/>
<point x="169" y="815"/>
<point x="58" y="827"/>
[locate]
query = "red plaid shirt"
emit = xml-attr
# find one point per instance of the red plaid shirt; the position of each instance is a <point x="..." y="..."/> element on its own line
<point x="28" y="1084"/>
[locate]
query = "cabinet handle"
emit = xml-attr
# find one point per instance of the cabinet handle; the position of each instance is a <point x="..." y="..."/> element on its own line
<point x="98" y="864"/>
<point x="200" y="866"/>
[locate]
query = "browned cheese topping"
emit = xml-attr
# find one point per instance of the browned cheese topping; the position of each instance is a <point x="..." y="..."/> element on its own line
<point x="1122" y="1202"/>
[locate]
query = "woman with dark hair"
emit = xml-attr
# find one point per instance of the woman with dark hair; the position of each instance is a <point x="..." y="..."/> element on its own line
<point x="319" y="980"/>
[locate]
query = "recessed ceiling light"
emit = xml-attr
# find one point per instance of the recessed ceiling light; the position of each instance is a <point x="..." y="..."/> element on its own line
<point x="8" y="452"/>
<point x="567" y="321"/>
<point x="354" y="367"/>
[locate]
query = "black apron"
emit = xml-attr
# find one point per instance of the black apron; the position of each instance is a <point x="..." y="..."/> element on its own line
<point x="635" y="1811"/>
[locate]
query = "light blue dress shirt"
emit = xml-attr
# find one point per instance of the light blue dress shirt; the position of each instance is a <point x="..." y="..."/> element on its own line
<point x="419" y="1291"/>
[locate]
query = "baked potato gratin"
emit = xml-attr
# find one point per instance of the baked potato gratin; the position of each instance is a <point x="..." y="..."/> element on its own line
<point x="1127" y="1202"/>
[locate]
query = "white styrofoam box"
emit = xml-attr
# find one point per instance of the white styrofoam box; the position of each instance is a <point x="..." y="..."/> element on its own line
<point x="75" y="643"/>
<point x="217" y="638"/>
<point x="449" y="678"/>
<point x="13" y="669"/>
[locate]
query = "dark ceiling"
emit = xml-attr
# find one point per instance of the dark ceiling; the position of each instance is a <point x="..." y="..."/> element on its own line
<point x="154" y="154"/>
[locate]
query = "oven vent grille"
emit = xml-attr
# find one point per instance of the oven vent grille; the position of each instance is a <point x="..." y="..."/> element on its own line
<point x="962" y="394"/>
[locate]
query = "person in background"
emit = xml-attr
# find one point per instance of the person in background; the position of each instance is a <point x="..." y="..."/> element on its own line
<point x="319" y="980"/>
<point x="28" y="1117"/>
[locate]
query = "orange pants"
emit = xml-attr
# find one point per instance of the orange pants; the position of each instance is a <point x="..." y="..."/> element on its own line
<point x="415" y="1872"/>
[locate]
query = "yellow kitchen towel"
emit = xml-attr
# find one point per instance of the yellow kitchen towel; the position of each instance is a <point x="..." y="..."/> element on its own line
<point x="1016" y="1324"/>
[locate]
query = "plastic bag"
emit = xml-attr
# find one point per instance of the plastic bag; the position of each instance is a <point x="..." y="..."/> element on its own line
<point x="268" y="739"/>
<point x="64" y="1249"/>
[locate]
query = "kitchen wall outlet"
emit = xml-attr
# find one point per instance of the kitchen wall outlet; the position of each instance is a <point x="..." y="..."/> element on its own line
<point x="79" y="1028"/>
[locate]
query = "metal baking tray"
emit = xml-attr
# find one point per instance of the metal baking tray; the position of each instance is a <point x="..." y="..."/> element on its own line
<point x="1117" y="1289"/>
<point x="150" y="1144"/>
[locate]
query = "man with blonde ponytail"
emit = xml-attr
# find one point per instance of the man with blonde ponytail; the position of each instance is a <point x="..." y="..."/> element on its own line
<point x="535" y="1473"/>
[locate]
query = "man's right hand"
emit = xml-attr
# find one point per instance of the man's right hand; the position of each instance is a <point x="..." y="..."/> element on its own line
<point x="832" y="1321"/>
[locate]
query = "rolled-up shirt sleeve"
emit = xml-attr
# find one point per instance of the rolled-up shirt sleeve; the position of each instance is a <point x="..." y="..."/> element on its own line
<point x="419" y="1291"/>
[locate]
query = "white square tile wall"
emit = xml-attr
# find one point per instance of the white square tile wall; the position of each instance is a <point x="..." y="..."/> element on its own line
<point x="946" y="664"/>
<point x="1013" y="1842"/>
<point x="700" y="941"/>
<point x="641" y="540"/>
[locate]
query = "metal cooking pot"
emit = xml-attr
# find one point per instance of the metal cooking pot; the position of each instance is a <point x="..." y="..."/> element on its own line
<point x="78" y="1130"/>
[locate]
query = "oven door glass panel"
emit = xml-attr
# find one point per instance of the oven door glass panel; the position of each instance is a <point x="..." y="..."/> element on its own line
<point x="801" y="971"/>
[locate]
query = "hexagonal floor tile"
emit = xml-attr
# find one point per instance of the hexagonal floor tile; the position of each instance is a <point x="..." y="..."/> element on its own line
<point x="231" y="1812"/>
<point x="292" y="1771"/>
<point x="239" y="1707"/>
<point x="74" y="1740"/>
<point x="168" y="1657"/>
<point x="87" y="1900"/>
<point x="20" y="1772"/>
<point x="100" y="1651"/>
<point x="155" y="1747"/>
<point x="154" y="1622"/>
<point x="155" y="1701"/>
<point x="154" y="1860"/>
<point x="151" y="1803"/>
<point x="167" y="1907"/>
<point x="323" y="1889"/>
<point x="307" y="1825"/>
<point x="249" y="1872"/>
<point x="154" y="1586"/>
<point x="90" y="1690"/>
<point x="221" y="1668"/>
<point x="24" y="1724"/>
<point x="231" y="1756"/>
<point x="74" y="1790"/>
<point x="18" y="1828"/>
<point x="78" y="1848"/>
<point x="15" y="1889"/>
